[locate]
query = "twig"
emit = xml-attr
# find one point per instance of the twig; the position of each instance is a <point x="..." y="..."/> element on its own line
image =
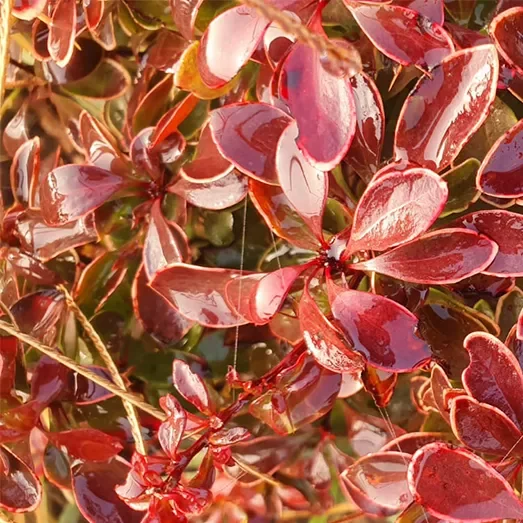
<point x="111" y="367"/>
<point x="69" y="363"/>
<point x="5" y="28"/>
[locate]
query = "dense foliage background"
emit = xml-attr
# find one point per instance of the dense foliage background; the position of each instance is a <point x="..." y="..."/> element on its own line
<point x="261" y="261"/>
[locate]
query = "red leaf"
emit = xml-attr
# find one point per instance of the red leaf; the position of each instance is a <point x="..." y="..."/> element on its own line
<point x="214" y="195"/>
<point x="378" y="483"/>
<point x="15" y="133"/>
<point x="28" y="267"/>
<point x="305" y="187"/>
<point x="71" y="191"/>
<point x="485" y="429"/>
<point x="25" y="167"/>
<point x="384" y="332"/>
<point x="171" y="431"/>
<point x="494" y="375"/>
<point x="198" y="293"/>
<point x="379" y="384"/>
<point x="440" y="257"/>
<point x="208" y="164"/>
<point x="501" y="173"/>
<point x="192" y="387"/>
<point x="397" y="208"/>
<point x="432" y="9"/>
<point x="457" y="97"/>
<point x="165" y="242"/>
<point x="87" y="444"/>
<point x="456" y="485"/>
<point x="322" y="104"/>
<point x="226" y="437"/>
<point x="247" y="135"/>
<point x="8" y="350"/>
<point x="94" y="11"/>
<point x="507" y="31"/>
<point x="184" y="13"/>
<point x="280" y="216"/>
<point x="28" y="9"/>
<point x="506" y="229"/>
<point x="62" y="31"/>
<point x="221" y="57"/>
<point x="21" y="491"/>
<point x="403" y="35"/>
<point x="94" y="491"/>
<point x="519" y="328"/>
<point x="166" y="51"/>
<point x="413" y="441"/>
<point x="440" y="384"/>
<point x="158" y="318"/>
<point x="142" y="156"/>
<point x="324" y="341"/>
<point x="49" y="381"/>
<point x="365" y="151"/>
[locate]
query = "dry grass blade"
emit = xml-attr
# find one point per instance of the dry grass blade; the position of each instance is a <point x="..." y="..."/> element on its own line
<point x="5" y="26"/>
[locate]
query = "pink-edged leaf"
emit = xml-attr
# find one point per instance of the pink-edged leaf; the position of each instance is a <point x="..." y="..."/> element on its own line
<point x="49" y="381"/>
<point x="8" y="350"/>
<point x="280" y="216"/>
<point x="94" y="491"/>
<point x="28" y="9"/>
<point x="365" y="151"/>
<point x="72" y="191"/>
<point x="383" y="331"/>
<point x="440" y="257"/>
<point x="143" y="158"/>
<point x="62" y="32"/>
<point x="46" y="242"/>
<point x="432" y="9"/>
<point x="403" y="35"/>
<point x="184" y="13"/>
<point x="458" y="486"/>
<point x="94" y="11"/>
<point x="322" y="104"/>
<point x="494" y="375"/>
<point x="507" y="31"/>
<point x="325" y="342"/>
<point x="164" y="243"/>
<point x="377" y="483"/>
<point x="214" y="195"/>
<point x="21" y="490"/>
<point x="457" y="98"/>
<point x="506" y="229"/>
<point x="25" y="167"/>
<point x="87" y="444"/>
<point x="15" y="133"/>
<point x="350" y="385"/>
<point x="171" y="430"/>
<point x="239" y="293"/>
<point x="439" y="385"/>
<point x="198" y="293"/>
<point x="158" y="318"/>
<point x="247" y="135"/>
<point x="29" y="267"/>
<point x="221" y="57"/>
<point x="166" y="51"/>
<point x="192" y="387"/>
<point x="208" y="163"/>
<point x="413" y="441"/>
<point x="305" y="187"/>
<point x="226" y="437"/>
<point x="501" y="173"/>
<point x="484" y="428"/>
<point x="397" y="208"/>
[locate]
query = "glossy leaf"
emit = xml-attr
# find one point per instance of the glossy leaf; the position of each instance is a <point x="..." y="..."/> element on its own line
<point x="397" y="208"/>
<point x="506" y="29"/>
<point x="432" y="9"/>
<point x="403" y="35"/>
<point x="191" y="387"/>
<point x="184" y="13"/>
<point x="440" y="257"/>
<point x="25" y="167"/>
<point x="8" y="351"/>
<point x="171" y="430"/>
<point x="166" y="51"/>
<point x="456" y="485"/>
<point x="29" y="267"/>
<point x="62" y="31"/>
<point x="453" y="109"/>
<point x="461" y="182"/>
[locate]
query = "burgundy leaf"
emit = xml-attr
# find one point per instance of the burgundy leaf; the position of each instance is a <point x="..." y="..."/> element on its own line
<point x="377" y="483"/>
<point x="62" y="31"/>
<point x="214" y="195"/>
<point x="507" y="31"/>
<point x="384" y="332"/>
<point x="501" y="173"/>
<point x="494" y="375"/>
<point x="456" y="485"/>
<point x="413" y="441"/>
<point x="208" y="164"/>
<point x="184" y="13"/>
<point x="440" y="384"/>
<point x="484" y="429"/>
<point x="158" y="318"/>
<point x="305" y="187"/>
<point x="171" y="430"/>
<point x="166" y="51"/>
<point x="226" y="437"/>
<point x="440" y="257"/>
<point x="198" y="293"/>
<point x="85" y="391"/>
<point x="432" y="9"/>
<point x="506" y="229"/>
<point x="192" y="387"/>
<point x="28" y="267"/>
<point x="8" y="350"/>
<point x="403" y="35"/>
<point x="519" y="328"/>
<point x="322" y="104"/>
<point x="397" y="208"/>
<point x="94" y="11"/>
<point x="221" y="57"/>
<point x="71" y="191"/>
<point x="365" y="151"/>
<point x="379" y="384"/>
<point x="247" y="135"/>
<point x="21" y="491"/>
<point x="49" y="381"/>
<point x="87" y="444"/>
<point x="324" y="341"/>
<point x="25" y="167"/>
<point x="456" y="99"/>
